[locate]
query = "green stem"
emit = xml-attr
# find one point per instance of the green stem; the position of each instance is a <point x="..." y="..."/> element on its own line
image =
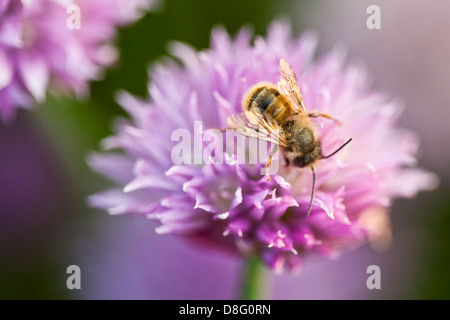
<point x="252" y="284"/>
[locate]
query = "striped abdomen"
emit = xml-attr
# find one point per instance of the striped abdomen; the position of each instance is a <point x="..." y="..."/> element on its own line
<point x="266" y="98"/>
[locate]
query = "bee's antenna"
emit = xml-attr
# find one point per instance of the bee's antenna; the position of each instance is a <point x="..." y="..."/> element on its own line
<point x="330" y="155"/>
<point x="312" y="192"/>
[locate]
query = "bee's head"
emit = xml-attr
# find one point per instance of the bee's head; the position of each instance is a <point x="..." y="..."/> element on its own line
<point x="304" y="140"/>
<point x="306" y="146"/>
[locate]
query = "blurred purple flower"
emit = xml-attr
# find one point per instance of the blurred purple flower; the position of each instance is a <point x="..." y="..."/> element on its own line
<point x="232" y="205"/>
<point x="38" y="48"/>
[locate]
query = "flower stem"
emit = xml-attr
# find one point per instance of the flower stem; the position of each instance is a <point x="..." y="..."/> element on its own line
<point x="252" y="286"/>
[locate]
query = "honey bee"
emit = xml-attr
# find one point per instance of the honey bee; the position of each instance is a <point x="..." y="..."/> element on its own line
<point x="277" y="114"/>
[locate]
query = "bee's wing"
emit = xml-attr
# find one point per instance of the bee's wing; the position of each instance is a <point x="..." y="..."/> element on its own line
<point x="288" y="87"/>
<point x="256" y="125"/>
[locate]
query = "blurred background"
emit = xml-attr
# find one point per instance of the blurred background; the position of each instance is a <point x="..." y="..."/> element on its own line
<point x="45" y="225"/>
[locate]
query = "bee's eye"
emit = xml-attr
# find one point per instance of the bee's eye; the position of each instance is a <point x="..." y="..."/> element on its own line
<point x="300" y="162"/>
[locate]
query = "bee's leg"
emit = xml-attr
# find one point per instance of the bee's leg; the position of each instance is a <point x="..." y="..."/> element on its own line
<point x="325" y="115"/>
<point x="269" y="160"/>
<point x="268" y="163"/>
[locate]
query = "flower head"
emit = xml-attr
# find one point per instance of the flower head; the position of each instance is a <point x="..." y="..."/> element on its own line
<point x="60" y="42"/>
<point x="230" y="204"/>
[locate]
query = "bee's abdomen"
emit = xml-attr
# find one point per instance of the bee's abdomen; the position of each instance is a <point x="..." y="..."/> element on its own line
<point x="265" y="98"/>
<point x="261" y="98"/>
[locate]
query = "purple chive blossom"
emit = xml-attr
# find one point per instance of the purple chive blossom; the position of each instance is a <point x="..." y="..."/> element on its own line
<point x="230" y="204"/>
<point x="65" y="43"/>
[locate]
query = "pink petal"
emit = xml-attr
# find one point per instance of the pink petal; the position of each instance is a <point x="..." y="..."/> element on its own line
<point x="35" y="75"/>
<point x="6" y="70"/>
